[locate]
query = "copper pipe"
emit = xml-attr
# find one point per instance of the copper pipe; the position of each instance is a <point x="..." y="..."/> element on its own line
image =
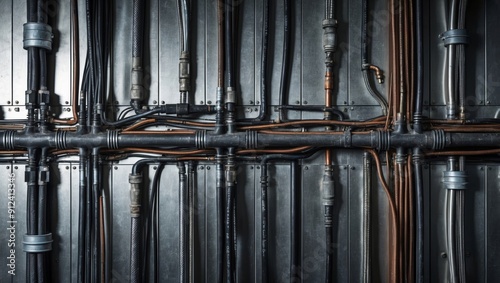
<point x="274" y="151"/>
<point x="166" y="151"/>
<point x="14" y="127"/>
<point x="12" y="152"/>
<point x="139" y="124"/>
<point x="379" y="74"/>
<point x="196" y="158"/>
<point x="76" y="67"/>
<point x="459" y="152"/>
<point x="394" y="224"/>
<point x="300" y="133"/>
<point x="169" y="132"/>
<point x="64" y="151"/>
<point x="189" y="123"/>
<point x="328" y="157"/>
<point x="314" y="123"/>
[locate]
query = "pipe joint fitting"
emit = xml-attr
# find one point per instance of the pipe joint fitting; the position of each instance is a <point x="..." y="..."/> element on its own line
<point x="135" y="181"/>
<point x="37" y="243"/>
<point x="328" y="186"/>
<point x="455" y="180"/>
<point x="330" y="35"/>
<point x="184" y="72"/>
<point x="37" y="35"/>
<point x="43" y="175"/>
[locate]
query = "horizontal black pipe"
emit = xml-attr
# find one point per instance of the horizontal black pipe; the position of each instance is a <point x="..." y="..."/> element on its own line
<point x="377" y="139"/>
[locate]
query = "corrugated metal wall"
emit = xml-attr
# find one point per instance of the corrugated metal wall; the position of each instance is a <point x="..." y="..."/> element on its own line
<point x="482" y="215"/>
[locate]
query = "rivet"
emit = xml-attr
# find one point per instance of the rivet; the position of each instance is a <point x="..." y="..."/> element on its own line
<point x="67" y="167"/>
<point x="444" y="255"/>
<point x="209" y="102"/>
<point x="17" y="101"/>
<point x="163" y="102"/>
<point x="208" y="167"/>
<point x="15" y="167"/>
<point x="306" y="167"/>
<point x="74" y="167"/>
<point x="116" y="167"/>
<point x="154" y="101"/>
<point x="305" y="101"/>
<point x="155" y="167"/>
<point x="353" y="168"/>
<point x="8" y="167"/>
<point x="258" y="167"/>
<point x="202" y="167"/>
<point x="66" y="102"/>
<point x="251" y="102"/>
<point x="251" y="167"/>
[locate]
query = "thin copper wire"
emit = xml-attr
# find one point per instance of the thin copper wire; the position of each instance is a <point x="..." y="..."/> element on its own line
<point x="393" y="223"/>
<point x="460" y="152"/>
<point x="139" y="124"/>
<point x="274" y="151"/>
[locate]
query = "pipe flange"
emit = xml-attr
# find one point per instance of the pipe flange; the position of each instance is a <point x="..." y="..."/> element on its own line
<point x="251" y="140"/>
<point x="112" y="139"/>
<point x="455" y="180"/>
<point x="200" y="139"/>
<point x="37" y="243"/>
<point x="61" y="139"/>
<point x="8" y="139"/>
<point x="455" y="36"/>
<point x="37" y="35"/>
<point x="348" y="138"/>
<point x="439" y="137"/>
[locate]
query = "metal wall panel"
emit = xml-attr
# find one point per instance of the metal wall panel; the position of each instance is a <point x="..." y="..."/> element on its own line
<point x="306" y="88"/>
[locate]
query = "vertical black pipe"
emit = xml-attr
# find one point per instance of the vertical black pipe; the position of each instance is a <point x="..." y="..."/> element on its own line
<point x="419" y="201"/>
<point x="96" y="190"/>
<point x="183" y="222"/>
<point x="264" y="221"/>
<point x="32" y="215"/>
<point x="296" y="227"/>
<point x="285" y="67"/>
<point x="82" y="213"/>
<point x="219" y="194"/>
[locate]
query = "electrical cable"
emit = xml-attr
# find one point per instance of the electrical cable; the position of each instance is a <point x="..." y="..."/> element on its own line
<point x="285" y="67"/>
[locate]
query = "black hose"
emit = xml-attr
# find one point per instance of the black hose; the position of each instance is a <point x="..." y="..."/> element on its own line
<point x="138" y="28"/>
<point x="329" y="243"/>
<point x="230" y="233"/>
<point x="81" y="214"/>
<point x="419" y="96"/>
<point x="228" y="42"/>
<point x="419" y="207"/>
<point x="183" y="222"/>
<point x="135" y="250"/>
<point x="264" y="222"/>
<point x="32" y="212"/>
<point x="264" y="62"/>
<point x="42" y="213"/>
<point x="285" y="67"/>
<point x="96" y="190"/>
<point x="296" y="227"/>
<point x="219" y="195"/>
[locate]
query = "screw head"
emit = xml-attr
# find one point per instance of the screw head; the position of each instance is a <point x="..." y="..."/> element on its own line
<point x="444" y="255"/>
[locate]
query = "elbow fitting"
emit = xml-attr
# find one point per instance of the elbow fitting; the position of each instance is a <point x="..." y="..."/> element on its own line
<point x="135" y="181"/>
<point x="184" y="72"/>
<point x="379" y="74"/>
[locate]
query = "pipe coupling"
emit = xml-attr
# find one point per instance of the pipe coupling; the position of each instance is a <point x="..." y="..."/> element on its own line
<point x="328" y="186"/>
<point x="37" y="243"/>
<point x="37" y="35"/>
<point x="184" y="72"/>
<point x="455" y="180"/>
<point x="135" y="181"/>
<point x="330" y="35"/>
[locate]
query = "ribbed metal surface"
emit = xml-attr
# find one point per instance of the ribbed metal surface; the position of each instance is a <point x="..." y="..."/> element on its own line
<point x="161" y="61"/>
